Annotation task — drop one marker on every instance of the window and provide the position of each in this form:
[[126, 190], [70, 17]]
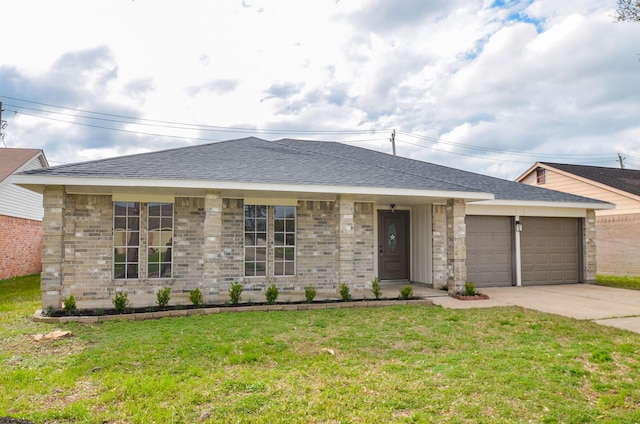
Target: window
[[159, 240], [255, 240], [284, 235], [281, 236], [157, 226], [541, 176], [126, 239]]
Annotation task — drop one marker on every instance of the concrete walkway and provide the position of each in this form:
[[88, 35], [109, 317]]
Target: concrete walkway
[[605, 305]]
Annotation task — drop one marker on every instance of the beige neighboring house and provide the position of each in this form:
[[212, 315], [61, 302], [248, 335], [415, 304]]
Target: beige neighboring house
[[21, 213], [617, 230]]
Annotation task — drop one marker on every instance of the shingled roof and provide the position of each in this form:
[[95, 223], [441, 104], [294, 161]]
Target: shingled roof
[[292, 162], [622, 179]]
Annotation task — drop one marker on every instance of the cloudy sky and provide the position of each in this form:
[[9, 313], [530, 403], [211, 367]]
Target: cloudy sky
[[489, 86]]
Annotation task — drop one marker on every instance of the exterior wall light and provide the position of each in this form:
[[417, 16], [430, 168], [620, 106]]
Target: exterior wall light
[[519, 226], [392, 207]]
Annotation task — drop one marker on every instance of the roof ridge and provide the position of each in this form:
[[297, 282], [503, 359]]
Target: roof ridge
[[421, 175]]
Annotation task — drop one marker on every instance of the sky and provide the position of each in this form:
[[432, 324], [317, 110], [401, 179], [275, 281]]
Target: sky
[[488, 86]]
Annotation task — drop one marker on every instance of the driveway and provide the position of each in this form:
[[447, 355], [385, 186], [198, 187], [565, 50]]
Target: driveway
[[605, 305]]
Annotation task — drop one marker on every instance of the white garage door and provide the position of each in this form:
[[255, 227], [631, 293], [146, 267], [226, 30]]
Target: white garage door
[[489, 250], [550, 250]]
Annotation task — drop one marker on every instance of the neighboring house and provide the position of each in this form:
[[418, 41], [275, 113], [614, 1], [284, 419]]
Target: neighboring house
[[297, 214], [617, 230], [21, 214]]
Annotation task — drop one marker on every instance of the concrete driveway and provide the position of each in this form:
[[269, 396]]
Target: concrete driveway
[[605, 305]]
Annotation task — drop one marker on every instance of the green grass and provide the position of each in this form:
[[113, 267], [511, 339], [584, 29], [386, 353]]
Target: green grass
[[395, 364], [619, 282]]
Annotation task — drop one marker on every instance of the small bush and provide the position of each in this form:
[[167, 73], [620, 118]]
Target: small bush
[[406, 292], [235, 293], [310, 293], [345, 291], [272, 294], [163, 296], [470, 289], [375, 287], [69, 305], [195, 296], [121, 302]]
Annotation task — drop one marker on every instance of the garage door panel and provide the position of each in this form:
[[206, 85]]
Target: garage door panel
[[489, 251], [550, 250]]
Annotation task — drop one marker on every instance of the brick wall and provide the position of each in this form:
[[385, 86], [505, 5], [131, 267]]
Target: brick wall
[[20, 247], [208, 250], [618, 244]]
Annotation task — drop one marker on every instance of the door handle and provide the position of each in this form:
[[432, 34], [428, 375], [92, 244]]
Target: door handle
[[381, 250]]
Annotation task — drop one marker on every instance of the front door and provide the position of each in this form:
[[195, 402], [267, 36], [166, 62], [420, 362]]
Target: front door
[[393, 245]]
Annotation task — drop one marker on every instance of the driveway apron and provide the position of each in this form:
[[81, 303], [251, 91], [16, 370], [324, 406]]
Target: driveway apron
[[605, 305]]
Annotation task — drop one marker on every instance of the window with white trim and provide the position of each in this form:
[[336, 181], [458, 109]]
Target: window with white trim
[[259, 235], [159, 240], [284, 240], [132, 221], [255, 240], [126, 239]]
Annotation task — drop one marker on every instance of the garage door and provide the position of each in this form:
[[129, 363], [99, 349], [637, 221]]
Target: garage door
[[489, 250], [550, 250]]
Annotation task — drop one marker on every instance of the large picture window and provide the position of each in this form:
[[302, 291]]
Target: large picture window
[[126, 239], [159, 240], [266, 226]]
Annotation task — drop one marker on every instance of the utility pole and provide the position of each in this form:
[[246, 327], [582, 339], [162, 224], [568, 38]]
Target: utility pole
[[393, 141], [620, 159]]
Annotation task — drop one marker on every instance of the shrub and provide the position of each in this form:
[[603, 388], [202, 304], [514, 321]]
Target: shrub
[[345, 292], [195, 296], [272, 293], [163, 296], [310, 293], [406, 292], [470, 289], [235, 293], [121, 302], [375, 287], [69, 305]]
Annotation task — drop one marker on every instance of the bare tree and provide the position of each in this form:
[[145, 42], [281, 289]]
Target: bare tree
[[628, 11]]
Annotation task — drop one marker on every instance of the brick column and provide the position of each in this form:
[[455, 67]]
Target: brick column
[[439, 246], [53, 200], [346, 239], [589, 247], [212, 248], [456, 245]]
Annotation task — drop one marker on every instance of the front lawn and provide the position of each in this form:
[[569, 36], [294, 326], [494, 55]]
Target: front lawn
[[393, 364], [619, 282]]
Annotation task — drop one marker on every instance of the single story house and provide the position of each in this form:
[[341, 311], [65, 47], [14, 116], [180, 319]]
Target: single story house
[[20, 215], [617, 230], [296, 213]]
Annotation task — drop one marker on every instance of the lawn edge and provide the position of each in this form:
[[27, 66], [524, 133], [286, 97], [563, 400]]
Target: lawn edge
[[38, 317]]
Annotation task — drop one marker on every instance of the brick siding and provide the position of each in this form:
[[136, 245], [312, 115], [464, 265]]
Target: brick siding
[[208, 250], [20, 247], [618, 246]]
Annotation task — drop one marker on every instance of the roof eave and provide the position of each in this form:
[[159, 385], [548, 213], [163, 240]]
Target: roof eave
[[539, 203], [38, 182]]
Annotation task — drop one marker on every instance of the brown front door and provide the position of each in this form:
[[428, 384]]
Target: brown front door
[[393, 245]]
